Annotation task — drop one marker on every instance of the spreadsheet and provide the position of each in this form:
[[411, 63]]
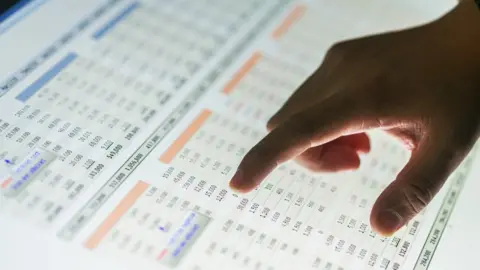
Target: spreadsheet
[[122, 125]]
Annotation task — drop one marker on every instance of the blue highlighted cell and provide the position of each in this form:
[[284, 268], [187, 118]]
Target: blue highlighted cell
[[111, 24], [54, 71]]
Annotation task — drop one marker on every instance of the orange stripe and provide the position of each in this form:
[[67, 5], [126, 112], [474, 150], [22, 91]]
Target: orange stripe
[[6, 182], [162, 254], [180, 142], [116, 215], [296, 14], [242, 72]]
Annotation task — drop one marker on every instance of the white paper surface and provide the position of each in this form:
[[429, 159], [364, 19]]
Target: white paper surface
[[150, 105]]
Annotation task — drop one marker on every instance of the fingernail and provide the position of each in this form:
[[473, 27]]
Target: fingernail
[[237, 180], [389, 221]]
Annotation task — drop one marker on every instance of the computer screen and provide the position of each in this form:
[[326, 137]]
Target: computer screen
[[122, 123]]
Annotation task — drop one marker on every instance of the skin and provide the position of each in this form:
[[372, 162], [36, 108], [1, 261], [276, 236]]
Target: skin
[[420, 85]]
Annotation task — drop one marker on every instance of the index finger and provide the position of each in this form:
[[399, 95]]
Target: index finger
[[313, 127]]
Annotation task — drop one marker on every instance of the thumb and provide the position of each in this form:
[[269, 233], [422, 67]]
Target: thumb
[[416, 185]]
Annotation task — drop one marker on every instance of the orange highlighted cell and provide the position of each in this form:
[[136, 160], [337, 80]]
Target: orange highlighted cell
[[242, 72], [129, 200], [180, 142], [162, 254], [6, 182], [294, 16]]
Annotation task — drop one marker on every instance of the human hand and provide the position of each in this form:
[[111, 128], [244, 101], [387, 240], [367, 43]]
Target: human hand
[[420, 85]]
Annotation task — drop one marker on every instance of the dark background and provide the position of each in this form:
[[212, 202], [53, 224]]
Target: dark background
[[6, 4]]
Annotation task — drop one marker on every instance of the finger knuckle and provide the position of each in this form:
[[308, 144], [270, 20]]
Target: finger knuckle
[[272, 122], [377, 98], [303, 124], [417, 196], [339, 49]]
